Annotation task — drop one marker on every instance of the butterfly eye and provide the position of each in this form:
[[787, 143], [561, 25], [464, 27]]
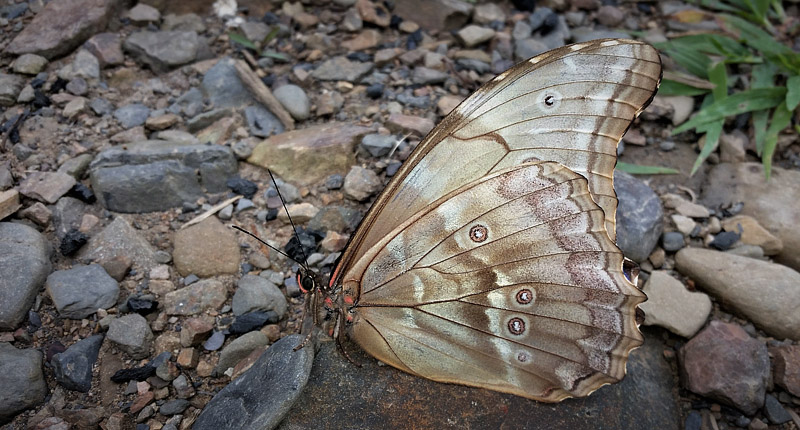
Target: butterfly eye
[[308, 283], [478, 233]]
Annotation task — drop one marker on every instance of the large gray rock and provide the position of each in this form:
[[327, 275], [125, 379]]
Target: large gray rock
[[261, 396], [24, 265], [21, 379], [767, 294], [254, 293], [370, 396], [774, 204], [73, 367], [62, 26], [80, 291], [639, 217], [119, 239], [156, 175], [163, 50]]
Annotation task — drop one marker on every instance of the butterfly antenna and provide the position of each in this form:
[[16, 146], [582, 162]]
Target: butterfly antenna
[[283, 202], [265, 243]]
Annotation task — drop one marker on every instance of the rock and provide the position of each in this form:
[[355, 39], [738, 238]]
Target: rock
[[639, 217], [132, 115], [132, 335], [335, 218], [224, 88], [9, 203], [330, 102], [426, 76], [299, 212], [144, 14], [24, 266], [774, 411], [47, 187], [194, 331], [261, 122], [173, 407], [352, 21], [373, 13], [22, 380], [610, 16], [309, 155], [29, 64], [163, 50], [341, 69], [74, 108], [203, 295], [787, 368], [156, 175], [732, 147], [119, 239], [379, 389], [246, 404], [378, 145], [724, 363], [107, 48], [487, 13], [10, 88], [295, 100], [765, 293], [474, 35], [251, 321], [192, 255], [684, 224], [440, 15], [73, 367], [685, 207], [360, 184], [85, 65], [670, 305], [752, 233], [365, 40], [82, 290], [255, 293], [240, 348], [672, 241], [399, 123], [61, 27], [183, 22]]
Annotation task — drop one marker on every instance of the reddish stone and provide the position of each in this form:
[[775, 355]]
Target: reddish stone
[[787, 368], [142, 401], [194, 331], [724, 363]]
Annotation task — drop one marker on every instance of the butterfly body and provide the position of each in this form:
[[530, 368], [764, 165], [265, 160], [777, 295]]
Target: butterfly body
[[489, 260]]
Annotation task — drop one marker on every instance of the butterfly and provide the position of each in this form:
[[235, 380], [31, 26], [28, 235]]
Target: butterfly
[[489, 259]]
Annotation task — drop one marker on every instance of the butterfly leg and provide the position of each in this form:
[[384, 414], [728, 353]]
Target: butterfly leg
[[337, 334], [307, 324]]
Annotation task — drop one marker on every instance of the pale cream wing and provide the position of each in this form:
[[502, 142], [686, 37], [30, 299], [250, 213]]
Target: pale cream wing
[[509, 282], [571, 105]]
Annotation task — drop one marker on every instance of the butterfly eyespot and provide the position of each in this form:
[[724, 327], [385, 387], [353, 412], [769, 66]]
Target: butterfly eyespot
[[478, 233], [516, 326], [549, 100], [522, 357], [524, 296]]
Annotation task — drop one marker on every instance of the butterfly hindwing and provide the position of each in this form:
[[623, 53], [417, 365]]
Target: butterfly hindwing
[[441, 295]]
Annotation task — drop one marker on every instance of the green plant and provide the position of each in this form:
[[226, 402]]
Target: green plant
[[246, 43], [773, 93]]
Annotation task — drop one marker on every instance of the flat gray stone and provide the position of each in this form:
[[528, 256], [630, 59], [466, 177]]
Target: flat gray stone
[[22, 380], [80, 291], [341, 69], [47, 187], [163, 50], [24, 266], [260, 397], [369, 397], [239, 349], [254, 293], [670, 305], [157, 175], [223, 87]]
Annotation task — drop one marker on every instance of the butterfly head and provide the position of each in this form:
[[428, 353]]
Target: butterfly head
[[308, 280]]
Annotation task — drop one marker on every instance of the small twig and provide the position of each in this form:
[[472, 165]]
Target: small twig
[[263, 94], [209, 212]]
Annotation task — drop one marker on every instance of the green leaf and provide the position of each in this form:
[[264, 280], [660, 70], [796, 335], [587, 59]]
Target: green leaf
[[760, 118], [241, 40], [718, 76], [713, 131], [695, 62], [793, 92], [671, 88], [276, 55], [271, 35], [636, 169], [759, 8], [745, 101], [763, 75], [781, 119]]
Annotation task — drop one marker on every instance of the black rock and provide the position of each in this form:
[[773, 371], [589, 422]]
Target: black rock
[[142, 306], [39, 99], [82, 193], [725, 240], [359, 56], [375, 91], [160, 359], [549, 24], [72, 242], [392, 168], [272, 214], [414, 40], [134, 374], [58, 86], [252, 321], [303, 244], [524, 5], [73, 367], [242, 186], [247, 267]]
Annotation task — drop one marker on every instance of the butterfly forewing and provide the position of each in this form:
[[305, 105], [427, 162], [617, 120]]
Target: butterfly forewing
[[480, 264]]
